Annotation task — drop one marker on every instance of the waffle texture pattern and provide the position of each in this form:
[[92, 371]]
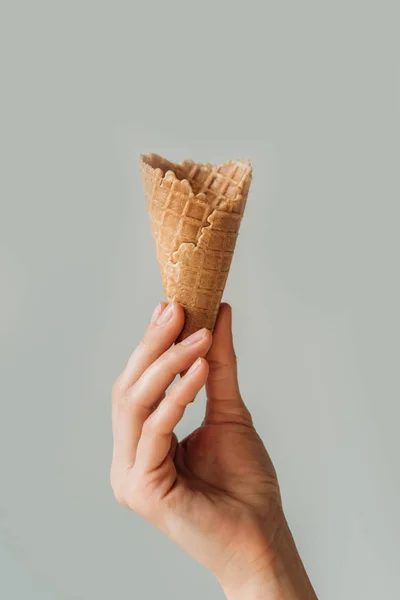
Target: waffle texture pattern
[[195, 213]]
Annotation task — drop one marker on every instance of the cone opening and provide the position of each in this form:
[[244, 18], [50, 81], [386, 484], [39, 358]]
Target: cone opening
[[229, 180], [158, 162]]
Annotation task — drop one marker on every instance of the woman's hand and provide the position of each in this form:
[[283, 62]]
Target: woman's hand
[[215, 493]]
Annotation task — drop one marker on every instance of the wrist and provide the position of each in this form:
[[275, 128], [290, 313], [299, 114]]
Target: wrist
[[276, 574]]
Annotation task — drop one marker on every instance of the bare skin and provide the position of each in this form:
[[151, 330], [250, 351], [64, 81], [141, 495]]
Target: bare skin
[[215, 493]]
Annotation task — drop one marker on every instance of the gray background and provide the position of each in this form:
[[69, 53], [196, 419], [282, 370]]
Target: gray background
[[310, 91]]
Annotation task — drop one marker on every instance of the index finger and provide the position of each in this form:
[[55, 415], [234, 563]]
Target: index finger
[[165, 326]]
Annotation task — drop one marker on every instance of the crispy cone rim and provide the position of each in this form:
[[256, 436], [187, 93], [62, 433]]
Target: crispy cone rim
[[162, 169]]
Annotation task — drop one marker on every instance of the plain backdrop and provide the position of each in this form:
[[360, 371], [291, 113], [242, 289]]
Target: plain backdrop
[[310, 92]]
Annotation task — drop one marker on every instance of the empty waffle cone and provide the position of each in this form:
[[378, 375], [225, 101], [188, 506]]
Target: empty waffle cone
[[195, 213]]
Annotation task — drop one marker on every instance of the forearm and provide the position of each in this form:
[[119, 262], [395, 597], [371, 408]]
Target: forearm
[[279, 577]]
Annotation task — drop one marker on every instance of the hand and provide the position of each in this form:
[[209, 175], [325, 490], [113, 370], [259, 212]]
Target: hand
[[215, 493]]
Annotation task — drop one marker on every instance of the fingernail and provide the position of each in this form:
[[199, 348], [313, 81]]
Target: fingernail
[[165, 315], [156, 313], [194, 367], [195, 337]]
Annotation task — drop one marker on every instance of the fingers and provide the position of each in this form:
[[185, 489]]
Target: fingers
[[224, 401], [132, 408], [156, 379], [165, 326], [157, 435]]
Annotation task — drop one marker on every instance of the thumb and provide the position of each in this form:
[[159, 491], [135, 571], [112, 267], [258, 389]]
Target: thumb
[[224, 401]]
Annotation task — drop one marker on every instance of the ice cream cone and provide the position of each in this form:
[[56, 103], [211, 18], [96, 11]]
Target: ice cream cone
[[195, 214]]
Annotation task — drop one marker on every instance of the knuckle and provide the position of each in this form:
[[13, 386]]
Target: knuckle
[[123, 402], [138, 496], [120, 496], [116, 389], [221, 370], [247, 415], [149, 426], [172, 356], [167, 361], [166, 357], [243, 417], [117, 488], [144, 344], [218, 369]]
